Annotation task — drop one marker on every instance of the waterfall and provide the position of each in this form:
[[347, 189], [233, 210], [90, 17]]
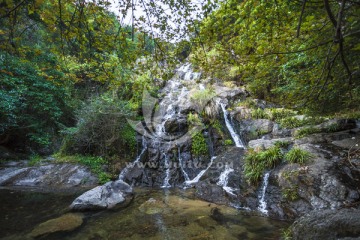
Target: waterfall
[[262, 201], [166, 183], [234, 135], [130, 166], [223, 180], [197, 178], [186, 176]]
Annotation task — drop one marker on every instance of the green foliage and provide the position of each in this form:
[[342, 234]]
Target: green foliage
[[257, 162], [32, 101], [193, 119], [198, 145], [96, 164], [286, 234], [282, 144], [307, 131], [276, 63], [259, 114], [102, 129], [248, 103], [291, 193], [293, 122], [280, 113], [35, 159], [228, 142], [297, 155]]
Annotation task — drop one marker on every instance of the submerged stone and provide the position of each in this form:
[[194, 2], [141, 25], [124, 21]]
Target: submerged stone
[[67, 222]]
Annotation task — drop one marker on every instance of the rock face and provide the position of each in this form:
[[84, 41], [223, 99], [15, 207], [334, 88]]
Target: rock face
[[50, 175], [328, 224], [107, 196], [65, 223]]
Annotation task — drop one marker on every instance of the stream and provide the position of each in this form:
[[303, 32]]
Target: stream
[[153, 214]]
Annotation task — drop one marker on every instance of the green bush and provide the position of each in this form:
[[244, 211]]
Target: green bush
[[293, 122], [290, 193], [259, 114], [280, 113], [35, 159], [297, 155], [228, 142], [257, 162], [303, 132], [198, 145], [101, 129]]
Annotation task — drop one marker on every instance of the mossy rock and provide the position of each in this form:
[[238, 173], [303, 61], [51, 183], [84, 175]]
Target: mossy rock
[[65, 223]]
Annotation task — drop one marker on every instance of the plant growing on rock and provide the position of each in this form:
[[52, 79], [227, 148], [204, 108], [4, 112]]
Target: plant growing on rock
[[290, 193], [259, 114], [198, 145], [297, 155], [303, 132], [280, 113], [257, 162], [228, 142]]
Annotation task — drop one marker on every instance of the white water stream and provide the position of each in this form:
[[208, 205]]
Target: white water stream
[[234, 135]]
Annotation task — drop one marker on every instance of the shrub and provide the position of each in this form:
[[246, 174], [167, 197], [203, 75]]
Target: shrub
[[279, 113], [228, 142], [282, 144], [290, 193], [259, 114], [297, 155], [198, 145], [35, 160], [306, 131], [257, 162], [101, 129], [293, 122]]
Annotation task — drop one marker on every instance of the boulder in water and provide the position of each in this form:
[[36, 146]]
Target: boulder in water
[[109, 195]]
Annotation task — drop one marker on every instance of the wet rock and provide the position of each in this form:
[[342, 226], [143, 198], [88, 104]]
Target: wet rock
[[50, 175], [176, 125], [328, 224], [107, 196], [65, 223]]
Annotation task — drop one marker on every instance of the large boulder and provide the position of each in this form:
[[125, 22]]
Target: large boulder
[[109, 195], [49, 175], [328, 224]]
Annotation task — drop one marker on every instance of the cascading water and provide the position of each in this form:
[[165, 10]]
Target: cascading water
[[130, 166], [223, 180], [262, 201], [166, 183], [200, 174], [234, 135], [186, 176]]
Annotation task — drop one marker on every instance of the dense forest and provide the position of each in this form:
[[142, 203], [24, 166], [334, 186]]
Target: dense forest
[[71, 70]]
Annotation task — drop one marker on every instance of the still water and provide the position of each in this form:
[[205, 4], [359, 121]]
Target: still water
[[153, 214]]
